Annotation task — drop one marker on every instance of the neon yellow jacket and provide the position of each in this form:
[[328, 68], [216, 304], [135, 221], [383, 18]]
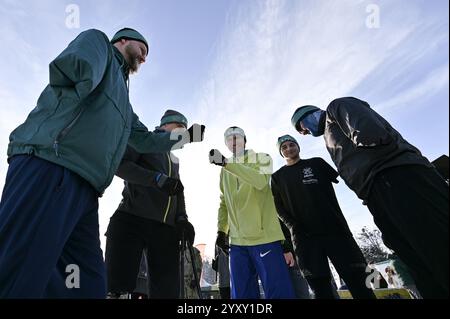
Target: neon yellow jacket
[[247, 208]]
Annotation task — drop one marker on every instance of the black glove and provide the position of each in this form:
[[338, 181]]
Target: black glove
[[287, 246], [169, 185], [215, 263], [216, 158], [196, 133], [184, 226], [222, 242]]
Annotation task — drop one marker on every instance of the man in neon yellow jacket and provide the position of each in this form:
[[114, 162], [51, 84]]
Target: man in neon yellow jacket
[[247, 212]]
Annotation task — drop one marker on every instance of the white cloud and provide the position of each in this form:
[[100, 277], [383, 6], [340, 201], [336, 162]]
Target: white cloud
[[272, 57], [436, 80], [277, 55]]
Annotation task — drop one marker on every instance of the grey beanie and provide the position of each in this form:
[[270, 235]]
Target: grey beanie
[[234, 130], [172, 116], [130, 34], [301, 112]]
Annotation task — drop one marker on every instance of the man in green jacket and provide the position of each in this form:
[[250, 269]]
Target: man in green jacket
[[247, 212], [62, 158]]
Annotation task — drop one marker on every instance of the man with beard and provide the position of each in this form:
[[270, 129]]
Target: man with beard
[[62, 158], [405, 194]]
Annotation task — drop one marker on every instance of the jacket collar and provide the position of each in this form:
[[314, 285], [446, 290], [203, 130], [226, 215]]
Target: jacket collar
[[123, 63], [246, 154]]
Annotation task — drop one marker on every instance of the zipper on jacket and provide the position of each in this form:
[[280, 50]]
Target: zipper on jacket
[[170, 197], [64, 132]]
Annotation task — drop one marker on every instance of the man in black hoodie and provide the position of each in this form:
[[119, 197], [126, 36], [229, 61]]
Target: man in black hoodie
[[402, 189], [151, 216]]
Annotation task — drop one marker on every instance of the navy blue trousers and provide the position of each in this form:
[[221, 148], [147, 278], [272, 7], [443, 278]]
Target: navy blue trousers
[[49, 233]]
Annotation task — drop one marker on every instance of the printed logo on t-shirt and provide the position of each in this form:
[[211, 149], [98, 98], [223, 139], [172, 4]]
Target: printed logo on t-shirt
[[308, 176]]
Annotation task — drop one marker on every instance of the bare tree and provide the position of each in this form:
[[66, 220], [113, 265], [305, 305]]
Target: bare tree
[[209, 275], [371, 244]]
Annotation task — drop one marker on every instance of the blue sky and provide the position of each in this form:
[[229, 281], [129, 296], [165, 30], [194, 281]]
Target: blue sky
[[248, 63]]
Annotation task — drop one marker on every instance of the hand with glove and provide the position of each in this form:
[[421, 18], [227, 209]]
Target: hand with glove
[[195, 133], [184, 226], [222, 242], [216, 158], [168, 185]]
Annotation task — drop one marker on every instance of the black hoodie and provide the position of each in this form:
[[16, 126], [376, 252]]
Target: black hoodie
[[362, 144]]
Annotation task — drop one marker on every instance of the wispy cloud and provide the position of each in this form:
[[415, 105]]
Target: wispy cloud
[[435, 81], [272, 56], [23, 73], [277, 55], [32, 34]]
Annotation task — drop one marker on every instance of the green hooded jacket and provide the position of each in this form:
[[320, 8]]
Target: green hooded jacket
[[83, 119], [247, 210]]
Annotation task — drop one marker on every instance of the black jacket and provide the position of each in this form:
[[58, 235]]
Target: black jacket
[[350, 127], [141, 197]]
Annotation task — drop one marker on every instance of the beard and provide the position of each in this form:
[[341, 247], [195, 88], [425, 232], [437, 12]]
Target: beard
[[132, 59]]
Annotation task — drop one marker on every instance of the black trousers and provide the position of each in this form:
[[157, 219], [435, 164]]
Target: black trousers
[[343, 251], [225, 292], [410, 207], [127, 236]]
